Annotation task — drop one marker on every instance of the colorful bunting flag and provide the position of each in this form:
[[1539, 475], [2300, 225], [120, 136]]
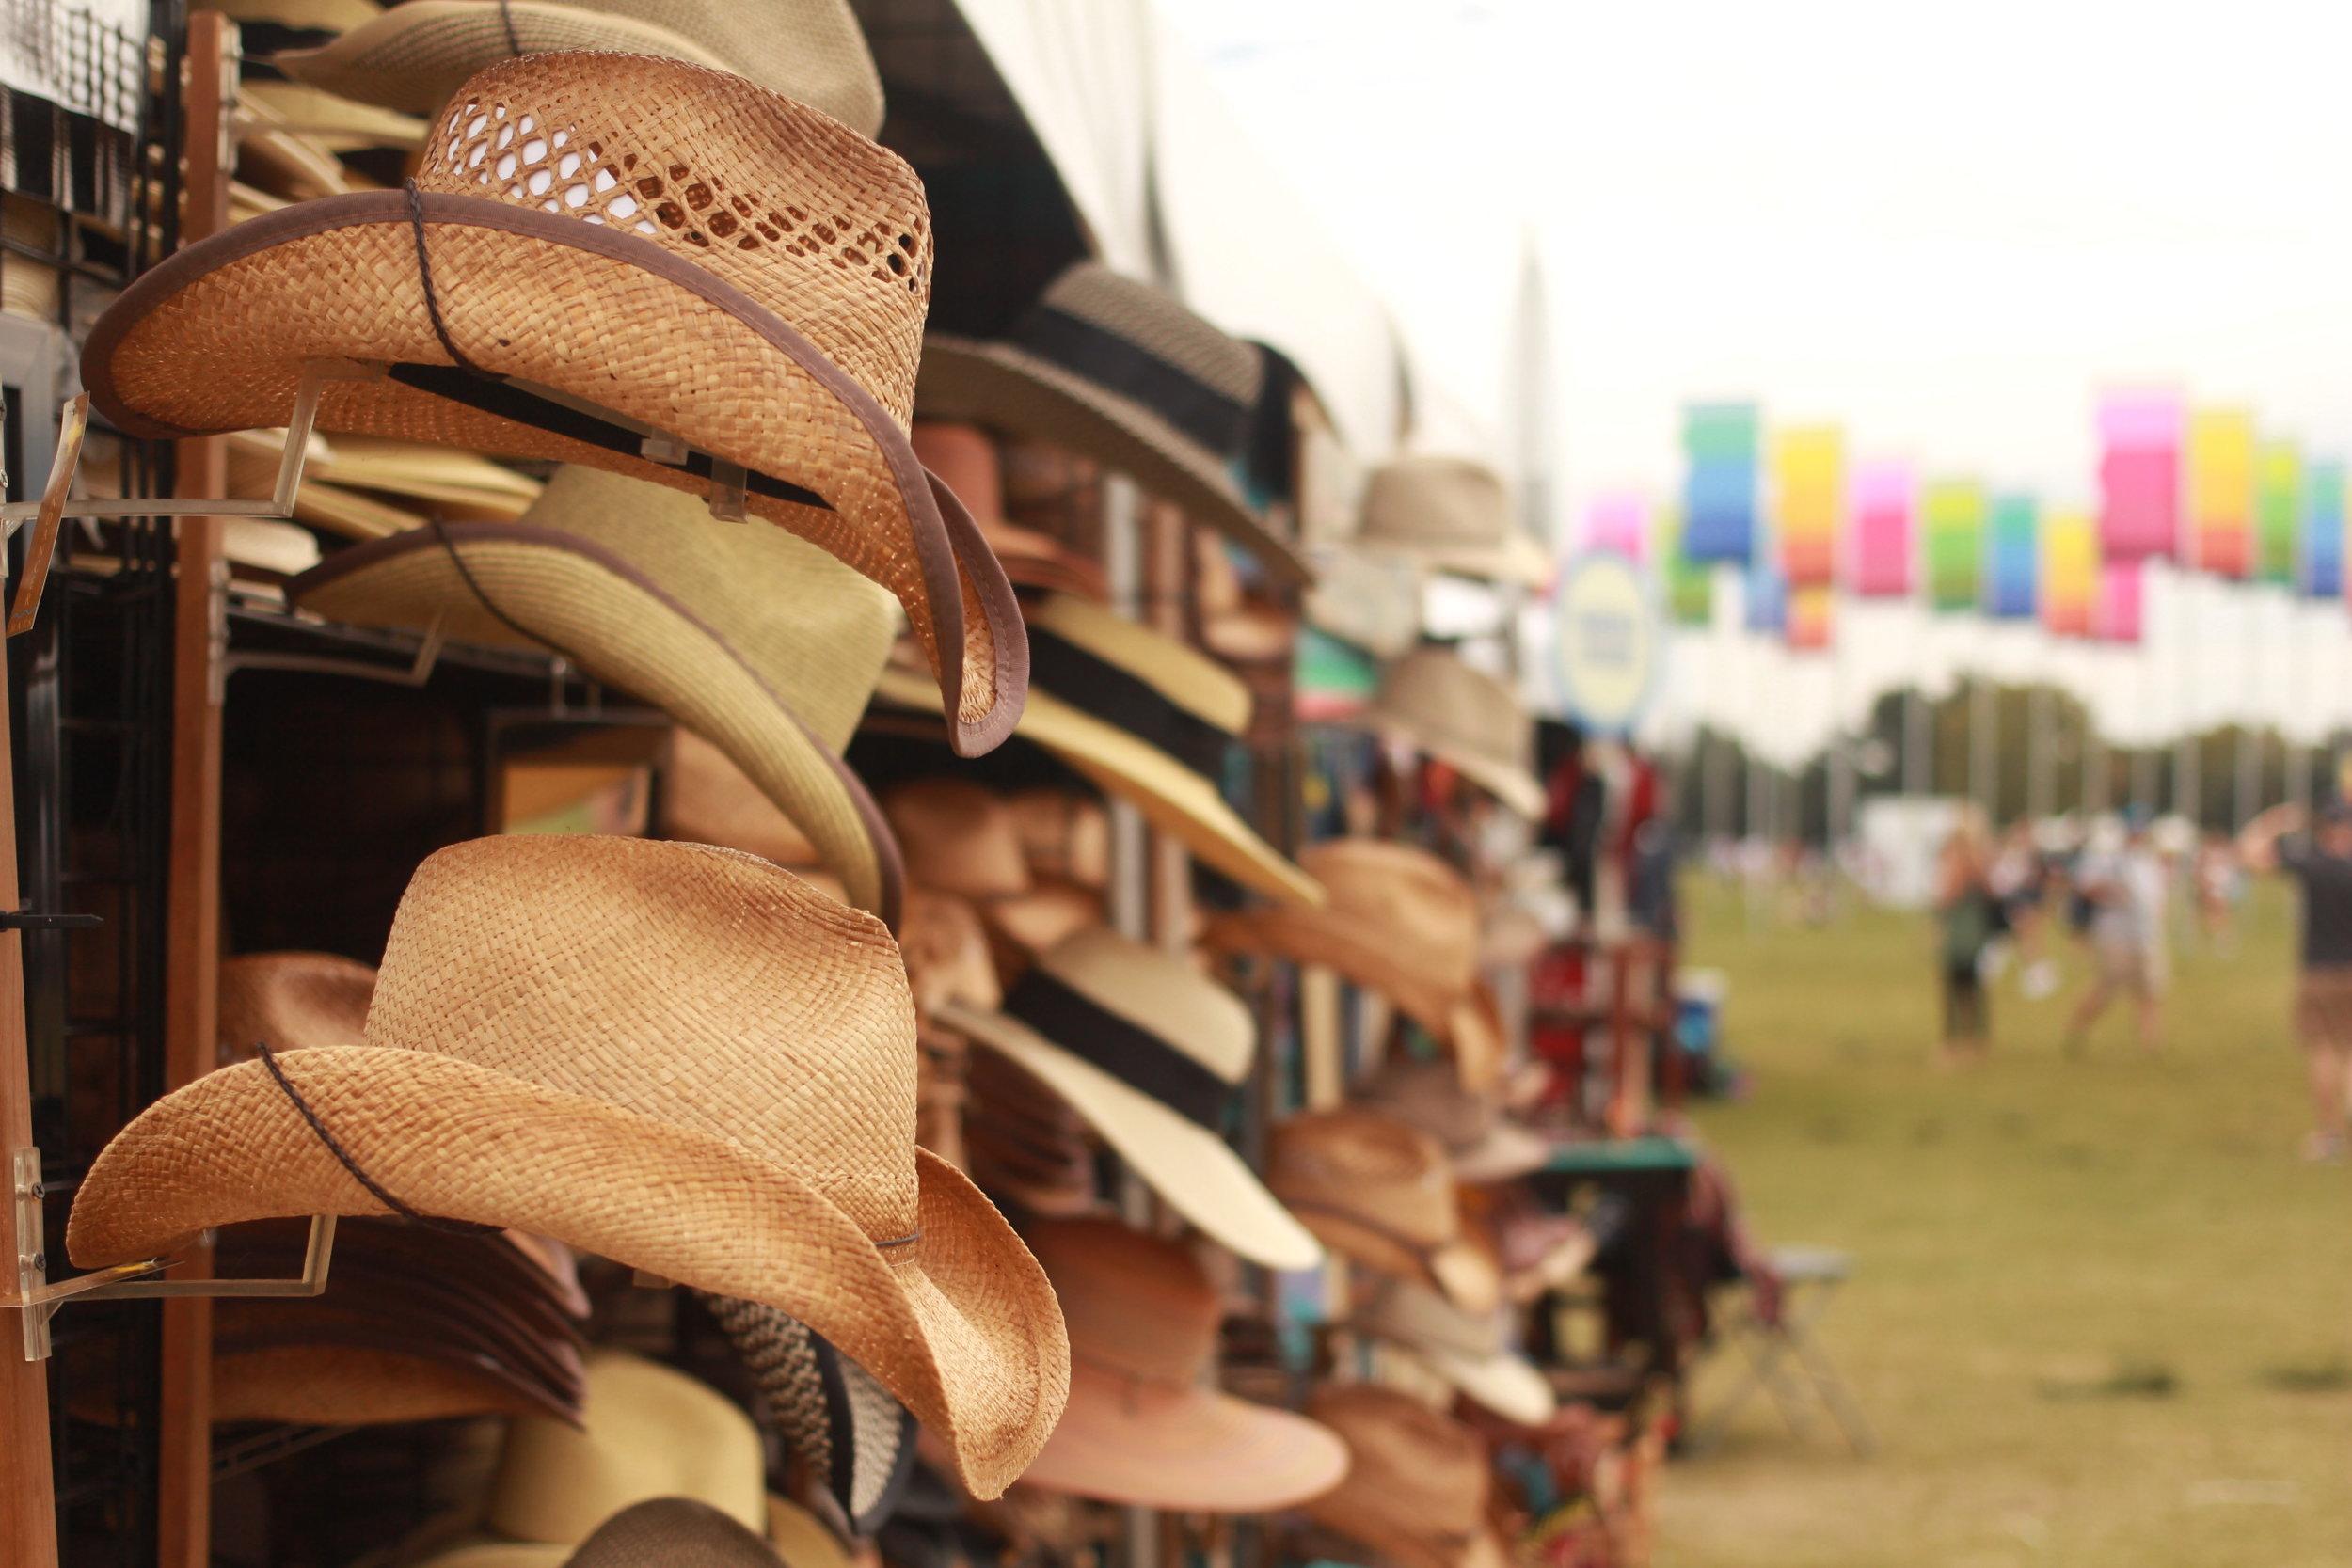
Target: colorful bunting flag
[[2122, 600], [1766, 611], [1812, 616], [2323, 530], [2278, 514], [2221, 491], [2140, 475], [1808, 497], [1953, 522], [2070, 574], [1881, 543], [1619, 521], [1720, 447], [2016, 557], [1689, 584]]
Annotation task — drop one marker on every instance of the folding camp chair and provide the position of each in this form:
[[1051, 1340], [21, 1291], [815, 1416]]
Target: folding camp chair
[[1786, 1359]]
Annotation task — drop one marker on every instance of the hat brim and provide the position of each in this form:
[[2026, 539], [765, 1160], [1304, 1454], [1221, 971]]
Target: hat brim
[[1517, 789], [1507, 1151], [597, 610], [1327, 938], [960, 1324], [1174, 799], [1456, 1270], [1184, 1450], [461, 36], [214, 338], [1509, 1386], [315, 1382], [1193, 1170], [1005, 387], [1518, 560]]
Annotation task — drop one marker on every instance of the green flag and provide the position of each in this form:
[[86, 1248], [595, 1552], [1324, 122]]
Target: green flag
[[2278, 514], [1953, 531], [1689, 584]]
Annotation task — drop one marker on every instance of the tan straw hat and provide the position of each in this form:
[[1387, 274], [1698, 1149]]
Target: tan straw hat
[[1400, 922], [1482, 1144], [604, 256], [752, 639], [1144, 718], [956, 836], [964, 458], [1120, 372], [1466, 719], [1141, 1429], [289, 999], [1379, 1193], [1065, 835], [1468, 1350], [417, 54], [1149, 1051], [677, 1056], [1449, 514], [1417, 1482]]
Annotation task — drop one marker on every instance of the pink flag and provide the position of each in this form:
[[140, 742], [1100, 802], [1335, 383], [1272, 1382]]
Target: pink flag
[[1619, 521], [2140, 475], [1881, 543], [2121, 584]]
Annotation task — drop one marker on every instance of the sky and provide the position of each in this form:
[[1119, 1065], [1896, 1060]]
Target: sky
[[1947, 229]]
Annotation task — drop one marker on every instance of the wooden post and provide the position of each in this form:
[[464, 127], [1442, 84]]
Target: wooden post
[[192, 964], [29, 1508]]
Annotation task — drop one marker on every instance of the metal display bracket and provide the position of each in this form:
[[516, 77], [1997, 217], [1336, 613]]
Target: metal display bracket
[[39, 1298]]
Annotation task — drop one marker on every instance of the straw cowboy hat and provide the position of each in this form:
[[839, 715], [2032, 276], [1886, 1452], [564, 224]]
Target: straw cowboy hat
[[1120, 372], [1464, 717], [661, 1532], [1146, 719], [417, 54], [603, 256], [857, 1441], [678, 1056], [1481, 1142], [1466, 1350], [1379, 1193], [963, 839], [1030, 1148], [1417, 1482], [751, 638], [1141, 1428], [964, 458], [284, 998], [1400, 922], [1449, 514], [1149, 1051], [1065, 835]]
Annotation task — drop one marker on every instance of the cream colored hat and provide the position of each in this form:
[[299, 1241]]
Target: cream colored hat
[[1449, 514], [1149, 1051], [1148, 720], [417, 54], [759, 642], [1120, 372], [620, 261], [1468, 1350], [677, 1056], [1466, 719]]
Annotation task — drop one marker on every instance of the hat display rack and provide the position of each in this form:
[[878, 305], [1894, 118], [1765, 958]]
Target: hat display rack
[[682, 893]]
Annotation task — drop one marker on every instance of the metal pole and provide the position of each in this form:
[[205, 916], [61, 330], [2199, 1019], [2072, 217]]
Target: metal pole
[[2188, 787], [1982, 745], [2039, 719], [2299, 691]]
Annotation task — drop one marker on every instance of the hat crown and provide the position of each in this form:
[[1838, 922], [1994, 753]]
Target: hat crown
[[288, 1001], [1431, 500], [1367, 1165], [1411, 1471], [1417, 902], [1155, 321], [1449, 703], [1160, 994], [946, 952], [1429, 1096], [695, 986], [816, 223], [1133, 1303], [1414, 1315], [958, 837]]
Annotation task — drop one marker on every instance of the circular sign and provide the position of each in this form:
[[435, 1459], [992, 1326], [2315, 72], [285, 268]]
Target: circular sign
[[1606, 641]]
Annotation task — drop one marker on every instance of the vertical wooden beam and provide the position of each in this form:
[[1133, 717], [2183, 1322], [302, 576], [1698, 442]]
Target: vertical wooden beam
[[28, 1509], [192, 965]]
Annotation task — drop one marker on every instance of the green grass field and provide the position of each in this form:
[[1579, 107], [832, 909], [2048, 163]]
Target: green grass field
[[2101, 1314]]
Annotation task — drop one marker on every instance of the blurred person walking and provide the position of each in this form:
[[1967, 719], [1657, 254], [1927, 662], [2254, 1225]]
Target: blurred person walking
[[2125, 891], [1968, 918], [2020, 879], [2321, 864]]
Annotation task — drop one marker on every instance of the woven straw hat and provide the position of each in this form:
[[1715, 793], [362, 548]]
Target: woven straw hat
[[856, 1440], [287, 999], [1141, 1429], [1466, 719], [1149, 1051], [1120, 372], [1468, 1350], [964, 458], [1148, 720], [1065, 835], [1481, 1142], [612, 245], [1400, 922], [417, 54], [677, 1056], [1449, 514], [1417, 1482], [752, 639], [1381, 1193], [956, 836]]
